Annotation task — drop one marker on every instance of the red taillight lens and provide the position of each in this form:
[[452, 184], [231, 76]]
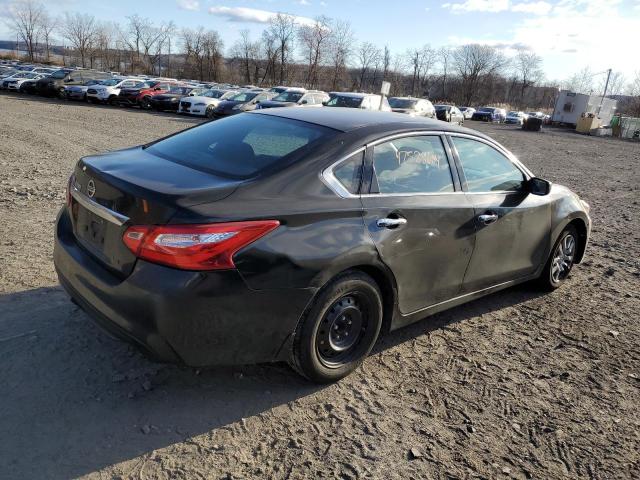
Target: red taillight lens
[[195, 247]]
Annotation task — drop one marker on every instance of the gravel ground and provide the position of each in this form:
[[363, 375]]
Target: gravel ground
[[517, 385]]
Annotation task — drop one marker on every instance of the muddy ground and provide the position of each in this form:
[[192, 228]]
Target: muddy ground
[[519, 384]]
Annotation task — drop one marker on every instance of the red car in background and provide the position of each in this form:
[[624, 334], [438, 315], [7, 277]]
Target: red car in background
[[141, 97]]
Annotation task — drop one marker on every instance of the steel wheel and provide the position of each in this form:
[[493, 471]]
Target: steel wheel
[[341, 330], [562, 260]]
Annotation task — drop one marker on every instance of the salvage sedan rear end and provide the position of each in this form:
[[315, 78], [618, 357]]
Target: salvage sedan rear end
[[303, 234]]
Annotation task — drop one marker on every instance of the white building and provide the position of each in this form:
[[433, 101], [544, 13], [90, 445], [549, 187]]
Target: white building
[[570, 106]]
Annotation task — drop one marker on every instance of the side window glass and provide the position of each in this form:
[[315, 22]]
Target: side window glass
[[349, 172], [485, 168], [412, 165]]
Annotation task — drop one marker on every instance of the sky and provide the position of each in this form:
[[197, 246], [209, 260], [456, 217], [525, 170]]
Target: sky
[[568, 34]]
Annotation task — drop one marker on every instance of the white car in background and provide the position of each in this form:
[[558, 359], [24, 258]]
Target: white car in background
[[14, 81], [365, 101], [205, 103], [107, 91], [467, 112]]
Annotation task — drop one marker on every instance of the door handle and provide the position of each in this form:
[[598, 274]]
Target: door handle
[[488, 218], [391, 222]]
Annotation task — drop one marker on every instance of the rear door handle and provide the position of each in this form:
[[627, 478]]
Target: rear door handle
[[488, 218], [391, 222]]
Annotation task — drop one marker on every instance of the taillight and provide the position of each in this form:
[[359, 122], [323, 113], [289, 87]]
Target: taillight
[[195, 247]]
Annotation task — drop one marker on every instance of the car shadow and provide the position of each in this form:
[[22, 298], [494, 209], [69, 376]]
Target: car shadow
[[74, 400]]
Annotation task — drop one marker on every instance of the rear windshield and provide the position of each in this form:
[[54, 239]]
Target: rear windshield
[[244, 97], [59, 74], [242, 146], [289, 97], [343, 101], [402, 103]]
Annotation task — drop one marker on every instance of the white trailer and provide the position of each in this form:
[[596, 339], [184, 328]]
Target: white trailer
[[570, 106]]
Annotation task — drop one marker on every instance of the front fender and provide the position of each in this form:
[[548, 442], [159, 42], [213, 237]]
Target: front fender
[[568, 208]]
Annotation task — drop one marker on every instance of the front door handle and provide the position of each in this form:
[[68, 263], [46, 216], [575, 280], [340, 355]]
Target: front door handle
[[391, 222], [488, 218]]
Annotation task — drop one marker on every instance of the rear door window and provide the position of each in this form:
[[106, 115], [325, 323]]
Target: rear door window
[[349, 172], [242, 146], [415, 164]]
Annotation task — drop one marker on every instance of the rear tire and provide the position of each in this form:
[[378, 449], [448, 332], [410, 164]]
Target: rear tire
[[561, 260], [339, 329], [145, 103]]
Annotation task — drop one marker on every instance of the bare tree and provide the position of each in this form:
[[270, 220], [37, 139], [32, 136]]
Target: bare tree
[[580, 82], [283, 28], [368, 54], [633, 88], [616, 84], [340, 47], [314, 40], [445, 54], [527, 66], [386, 62], [132, 37], [47, 26], [25, 20], [247, 51], [80, 30], [420, 61], [473, 62]]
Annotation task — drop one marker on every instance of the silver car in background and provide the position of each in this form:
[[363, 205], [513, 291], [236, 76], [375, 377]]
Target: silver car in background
[[416, 107], [205, 103]]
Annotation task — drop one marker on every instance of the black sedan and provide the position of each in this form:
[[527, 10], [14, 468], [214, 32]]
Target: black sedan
[[449, 113], [304, 235], [171, 100], [241, 102]]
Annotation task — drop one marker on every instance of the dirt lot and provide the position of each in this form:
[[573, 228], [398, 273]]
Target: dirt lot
[[519, 384]]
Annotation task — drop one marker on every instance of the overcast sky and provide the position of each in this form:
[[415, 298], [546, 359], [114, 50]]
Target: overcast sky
[[568, 34]]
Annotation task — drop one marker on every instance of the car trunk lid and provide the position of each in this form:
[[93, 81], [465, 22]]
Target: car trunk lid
[[133, 187]]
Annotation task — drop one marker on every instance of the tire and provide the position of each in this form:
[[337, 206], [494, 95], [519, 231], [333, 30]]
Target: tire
[[339, 329], [209, 111], [561, 260], [113, 100], [145, 103]]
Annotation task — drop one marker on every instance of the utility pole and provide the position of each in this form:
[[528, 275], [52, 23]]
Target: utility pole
[[606, 86]]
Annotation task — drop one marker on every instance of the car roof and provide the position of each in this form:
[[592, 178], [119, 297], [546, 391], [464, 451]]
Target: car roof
[[353, 94], [349, 119]]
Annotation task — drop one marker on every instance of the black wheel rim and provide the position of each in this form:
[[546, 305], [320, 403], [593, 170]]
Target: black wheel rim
[[340, 333]]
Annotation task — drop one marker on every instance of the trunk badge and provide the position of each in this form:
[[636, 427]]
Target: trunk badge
[[91, 189]]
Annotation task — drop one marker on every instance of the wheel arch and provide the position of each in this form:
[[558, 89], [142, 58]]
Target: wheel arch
[[581, 227]]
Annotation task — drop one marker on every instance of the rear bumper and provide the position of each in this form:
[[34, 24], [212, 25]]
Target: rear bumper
[[195, 318]]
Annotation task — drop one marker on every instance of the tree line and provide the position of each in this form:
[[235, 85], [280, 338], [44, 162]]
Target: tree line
[[323, 54]]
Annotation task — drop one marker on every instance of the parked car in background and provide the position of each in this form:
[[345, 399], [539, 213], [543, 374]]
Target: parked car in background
[[252, 239], [364, 101], [241, 102], [54, 84], [279, 89], [107, 91], [79, 92], [467, 112], [140, 96], [449, 113], [416, 107], [14, 81], [170, 101], [490, 114], [515, 117], [28, 87], [546, 119], [205, 103], [296, 97]]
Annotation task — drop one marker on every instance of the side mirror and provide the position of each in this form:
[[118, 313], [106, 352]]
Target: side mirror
[[303, 102], [325, 103], [538, 186], [157, 89]]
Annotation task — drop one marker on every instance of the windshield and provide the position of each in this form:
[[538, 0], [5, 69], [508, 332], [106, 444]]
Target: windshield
[[110, 82], [59, 74], [402, 103], [242, 146], [440, 108], [212, 93], [288, 97], [243, 97], [487, 110], [513, 114], [180, 90], [343, 101]]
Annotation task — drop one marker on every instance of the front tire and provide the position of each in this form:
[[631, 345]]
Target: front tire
[[339, 329], [209, 111], [561, 260], [145, 103]]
